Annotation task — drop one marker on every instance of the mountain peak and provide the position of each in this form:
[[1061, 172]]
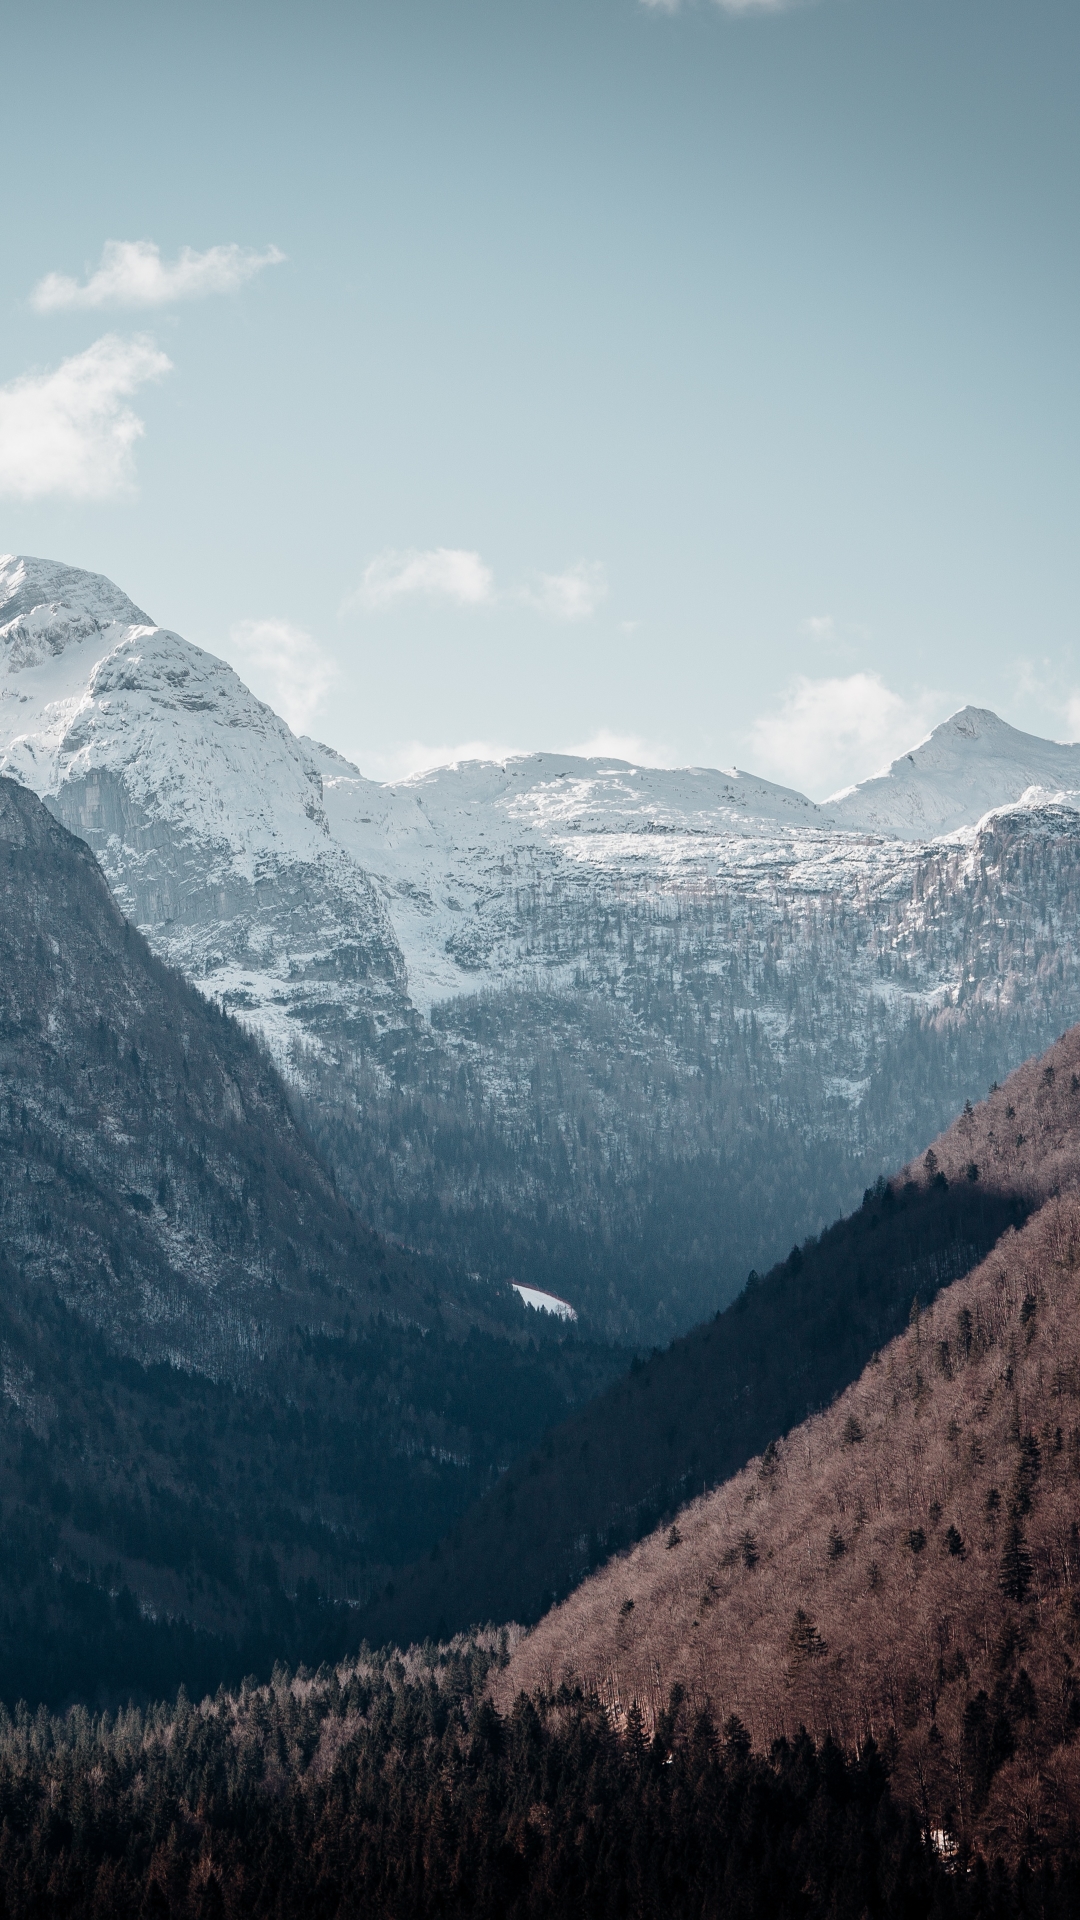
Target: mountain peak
[[46, 606], [970, 764]]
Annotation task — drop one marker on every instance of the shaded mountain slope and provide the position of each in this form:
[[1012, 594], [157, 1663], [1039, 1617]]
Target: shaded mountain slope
[[152, 1170], [695, 1413], [226, 1406], [904, 1566]]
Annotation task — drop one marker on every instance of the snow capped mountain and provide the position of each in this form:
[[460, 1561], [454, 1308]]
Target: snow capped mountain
[[453, 848], [46, 607], [204, 809], [547, 1008], [969, 765]]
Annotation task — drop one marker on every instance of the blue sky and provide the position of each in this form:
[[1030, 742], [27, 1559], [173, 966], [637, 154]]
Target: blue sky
[[699, 380]]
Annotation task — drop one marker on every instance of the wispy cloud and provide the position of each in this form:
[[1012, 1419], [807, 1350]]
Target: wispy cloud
[[827, 733], [440, 573], [819, 626], [727, 6], [459, 575], [285, 666], [69, 432], [133, 274], [606, 744], [573, 595]]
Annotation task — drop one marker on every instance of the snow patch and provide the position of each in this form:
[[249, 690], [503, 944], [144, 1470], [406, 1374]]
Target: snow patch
[[545, 1302]]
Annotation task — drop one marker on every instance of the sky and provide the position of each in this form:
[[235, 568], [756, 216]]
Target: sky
[[689, 381]]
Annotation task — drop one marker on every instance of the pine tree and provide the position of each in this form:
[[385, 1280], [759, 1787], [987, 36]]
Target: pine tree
[[1014, 1577]]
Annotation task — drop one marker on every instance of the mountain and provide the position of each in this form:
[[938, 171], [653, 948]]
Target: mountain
[[970, 765], [617, 1033], [904, 1566], [227, 1408], [691, 1416]]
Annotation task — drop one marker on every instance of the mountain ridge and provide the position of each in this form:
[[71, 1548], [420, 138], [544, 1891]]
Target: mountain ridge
[[615, 1032]]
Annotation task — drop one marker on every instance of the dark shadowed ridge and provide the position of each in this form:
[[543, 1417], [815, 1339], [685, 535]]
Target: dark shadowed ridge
[[692, 1416], [227, 1408]]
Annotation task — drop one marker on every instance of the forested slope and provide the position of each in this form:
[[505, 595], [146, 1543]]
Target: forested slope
[[692, 1416], [906, 1565]]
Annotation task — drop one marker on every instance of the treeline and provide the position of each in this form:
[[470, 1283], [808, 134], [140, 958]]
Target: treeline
[[906, 1564], [399, 1790]]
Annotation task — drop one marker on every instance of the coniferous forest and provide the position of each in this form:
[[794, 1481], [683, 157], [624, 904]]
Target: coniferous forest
[[395, 1788]]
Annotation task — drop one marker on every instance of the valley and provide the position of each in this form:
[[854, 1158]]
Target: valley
[[380, 1171], [227, 1408]]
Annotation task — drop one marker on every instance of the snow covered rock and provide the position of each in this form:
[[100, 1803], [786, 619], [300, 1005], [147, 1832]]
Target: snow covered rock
[[203, 808]]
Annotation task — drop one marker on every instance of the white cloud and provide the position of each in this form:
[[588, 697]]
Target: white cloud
[[1072, 715], [605, 744], [828, 733], [69, 432], [573, 595], [460, 575], [133, 274], [440, 573], [285, 666]]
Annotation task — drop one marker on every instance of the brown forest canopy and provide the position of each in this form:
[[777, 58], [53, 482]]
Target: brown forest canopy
[[906, 1565]]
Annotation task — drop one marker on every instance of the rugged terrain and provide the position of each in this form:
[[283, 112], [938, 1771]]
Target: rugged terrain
[[227, 1408], [615, 1032], [904, 1566]]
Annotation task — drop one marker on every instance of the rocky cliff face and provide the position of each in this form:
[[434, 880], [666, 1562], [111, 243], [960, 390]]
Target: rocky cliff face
[[618, 1032]]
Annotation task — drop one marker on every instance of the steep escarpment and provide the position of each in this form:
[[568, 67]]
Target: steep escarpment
[[153, 1174]]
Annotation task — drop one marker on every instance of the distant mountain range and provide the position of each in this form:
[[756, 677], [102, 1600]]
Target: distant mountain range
[[616, 1033]]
